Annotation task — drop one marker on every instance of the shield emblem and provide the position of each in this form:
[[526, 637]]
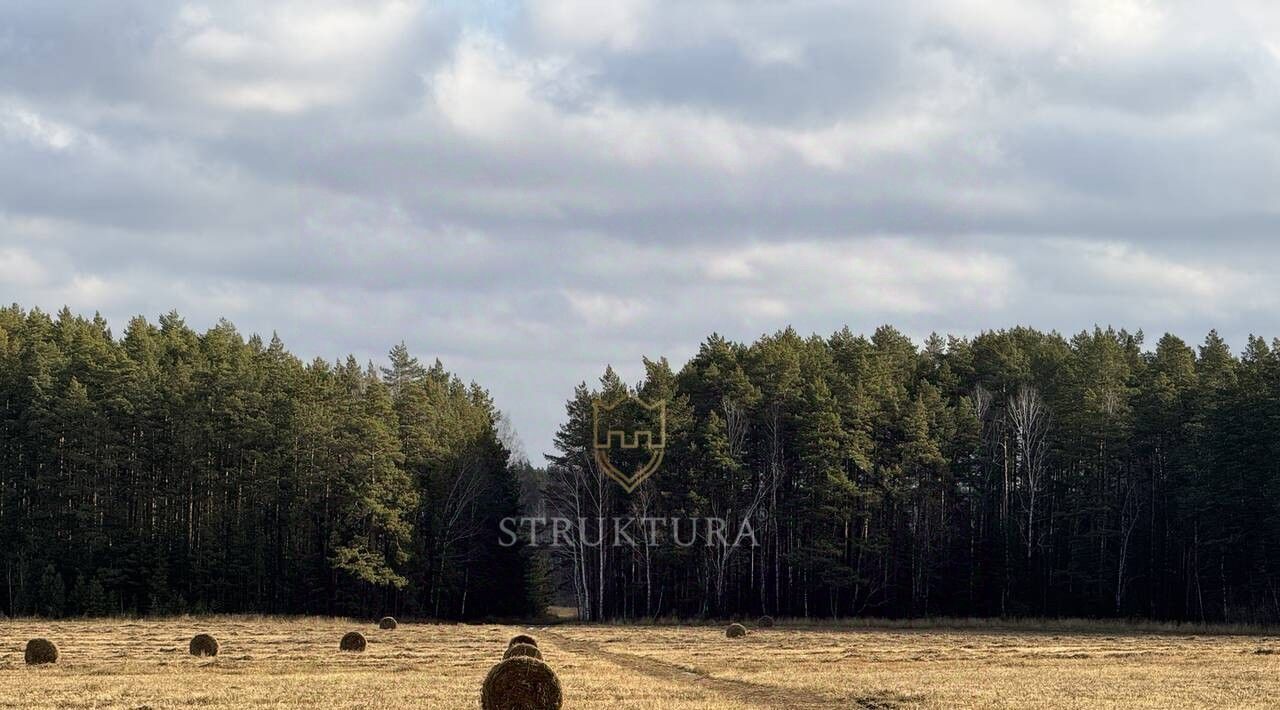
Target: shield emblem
[[626, 447]]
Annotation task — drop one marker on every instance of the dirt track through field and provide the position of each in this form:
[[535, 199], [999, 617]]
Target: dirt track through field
[[752, 694], [127, 664]]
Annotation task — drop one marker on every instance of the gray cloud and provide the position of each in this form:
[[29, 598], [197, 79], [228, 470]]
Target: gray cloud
[[531, 190]]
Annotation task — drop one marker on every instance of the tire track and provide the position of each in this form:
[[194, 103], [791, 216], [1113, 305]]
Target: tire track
[[753, 694]]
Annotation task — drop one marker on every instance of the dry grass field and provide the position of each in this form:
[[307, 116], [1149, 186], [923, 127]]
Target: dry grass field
[[287, 663]]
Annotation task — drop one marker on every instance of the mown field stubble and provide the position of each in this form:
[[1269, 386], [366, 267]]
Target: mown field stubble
[[266, 662]]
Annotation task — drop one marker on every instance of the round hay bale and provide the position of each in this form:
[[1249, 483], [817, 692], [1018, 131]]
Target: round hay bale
[[765, 622], [203, 645], [522, 638], [522, 649], [735, 631], [41, 651], [352, 641], [387, 623], [521, 683]]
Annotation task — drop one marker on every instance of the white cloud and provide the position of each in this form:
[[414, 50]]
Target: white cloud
[[24, 124], [860, 141], [1155, 286], [215, 44], [729, 266], [87, 292], [485, 92], [1130, 269], [488, 93], [602, 310], [492, 183], [1117, 27], [287, 57], [884, 275], [19, 269], [618, 24], [1061, 28], [766, 310], [1003, 25]]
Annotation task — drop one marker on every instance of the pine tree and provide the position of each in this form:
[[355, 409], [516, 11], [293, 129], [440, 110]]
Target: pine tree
[[52, 593]]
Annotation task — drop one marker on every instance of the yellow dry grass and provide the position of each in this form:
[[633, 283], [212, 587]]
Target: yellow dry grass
[[296, 663]]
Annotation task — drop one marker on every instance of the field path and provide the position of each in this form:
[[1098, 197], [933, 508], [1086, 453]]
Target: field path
[[128, 664], [752, 694]]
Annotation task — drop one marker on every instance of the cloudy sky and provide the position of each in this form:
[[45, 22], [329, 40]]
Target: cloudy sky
[[531, 190]]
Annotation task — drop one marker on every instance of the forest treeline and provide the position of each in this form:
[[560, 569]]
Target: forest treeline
[[1013, 473], [171, 471]]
